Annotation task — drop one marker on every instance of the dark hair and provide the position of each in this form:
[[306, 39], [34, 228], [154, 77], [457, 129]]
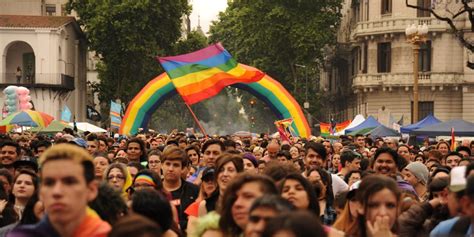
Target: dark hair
[[39, 144], [9, 214], [326, 179], [285, 147], [5, 173], [274, 202], [469, 168], [299, 223], [230, 143], [349, 174], [401, 163], [312, 196], [454, 153], [175, 153], [34, 179], [28, 216], [316, 147], [195, 148], [91, 137], [136, 225], [143, 156], [226, 158], [278, 171], [464, 148], [109, 204], [212, 142], [154, 205], [13, 144], [348, 156], [227, 222], [369, 186], [284, 153], [300, 163]]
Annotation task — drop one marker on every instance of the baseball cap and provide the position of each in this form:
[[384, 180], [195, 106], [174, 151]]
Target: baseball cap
[[208, 174], [79, 141], [26, 161], [419, 170], [457, 181]]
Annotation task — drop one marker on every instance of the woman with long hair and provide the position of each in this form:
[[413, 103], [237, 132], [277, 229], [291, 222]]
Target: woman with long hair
[[379, 199], [119, 178], [227, 167], [238, 198], [25, 185], [321, 179], [347, 220], [299, 191]]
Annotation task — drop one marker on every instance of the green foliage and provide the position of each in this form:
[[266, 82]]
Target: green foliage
[[127, 36], [275, 35]]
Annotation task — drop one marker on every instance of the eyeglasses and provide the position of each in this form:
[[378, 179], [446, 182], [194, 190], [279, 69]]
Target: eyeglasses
[[154, 162], [118, 177]]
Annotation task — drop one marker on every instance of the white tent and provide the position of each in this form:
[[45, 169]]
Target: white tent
[[88, 127], [358, 119]]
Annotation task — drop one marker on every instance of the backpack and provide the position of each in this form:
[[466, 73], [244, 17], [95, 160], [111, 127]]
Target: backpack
[[461, 226]]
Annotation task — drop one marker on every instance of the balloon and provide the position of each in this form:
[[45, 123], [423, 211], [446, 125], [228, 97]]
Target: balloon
[[11, 102], [10, 90], [11, 96], [25, 106], [11, 108]]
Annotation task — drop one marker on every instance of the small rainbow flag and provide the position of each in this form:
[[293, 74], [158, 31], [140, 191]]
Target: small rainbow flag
[[204, 73]]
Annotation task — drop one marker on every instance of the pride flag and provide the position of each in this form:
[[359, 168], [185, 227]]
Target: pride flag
[[204, 73], [331, 128]]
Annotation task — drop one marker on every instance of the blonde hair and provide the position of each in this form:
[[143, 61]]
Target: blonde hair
[[66, 151]]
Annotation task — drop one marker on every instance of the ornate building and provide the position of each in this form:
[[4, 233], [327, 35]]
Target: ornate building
[[370, 72]]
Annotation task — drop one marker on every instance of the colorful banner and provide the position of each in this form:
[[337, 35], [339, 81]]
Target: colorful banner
[[66, 115], [328, 129], [115, 115]]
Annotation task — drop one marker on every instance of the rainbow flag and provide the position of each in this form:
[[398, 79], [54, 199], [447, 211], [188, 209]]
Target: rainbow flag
[[329, 129], [204, 73]]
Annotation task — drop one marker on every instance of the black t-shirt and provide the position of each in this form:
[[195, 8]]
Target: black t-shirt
[[182, 198]]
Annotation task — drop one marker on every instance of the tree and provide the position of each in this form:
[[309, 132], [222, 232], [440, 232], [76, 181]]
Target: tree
[[276, 35], [451, 12], [127, 36]]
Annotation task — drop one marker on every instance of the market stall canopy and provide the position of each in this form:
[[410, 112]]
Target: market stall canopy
[[428, 120], [383, 131], [461, 128], [361, 131], [358, 119], [54, 127], [370, 122], [88, 127]]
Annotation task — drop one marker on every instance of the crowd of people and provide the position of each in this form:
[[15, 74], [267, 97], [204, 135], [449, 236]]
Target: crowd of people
[[178, 184]]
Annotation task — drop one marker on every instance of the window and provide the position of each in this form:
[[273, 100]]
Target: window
[[383, 57], [424, 4], [425, 108], [424, 58], [386, 6], [50, 10]]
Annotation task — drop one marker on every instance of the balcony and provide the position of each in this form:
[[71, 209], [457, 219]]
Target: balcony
[[54, 81], [406, 79], [395, 25]]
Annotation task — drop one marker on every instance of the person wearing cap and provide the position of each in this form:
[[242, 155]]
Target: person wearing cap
[[27, 163], [183, 193], [456, 193], [208, 186], [67, 186], [347, 220], [417, 175], [250, 163]]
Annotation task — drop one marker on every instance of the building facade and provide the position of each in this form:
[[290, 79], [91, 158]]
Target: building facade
[[51, 54], [370, 72]]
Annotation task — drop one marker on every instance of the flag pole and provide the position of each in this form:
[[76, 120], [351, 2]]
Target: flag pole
[[196, 120]]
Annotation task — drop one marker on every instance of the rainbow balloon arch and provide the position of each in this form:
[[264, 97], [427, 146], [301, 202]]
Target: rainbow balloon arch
[[268, 90]]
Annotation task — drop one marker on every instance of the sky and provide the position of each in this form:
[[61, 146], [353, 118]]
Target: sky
[[207, 10]]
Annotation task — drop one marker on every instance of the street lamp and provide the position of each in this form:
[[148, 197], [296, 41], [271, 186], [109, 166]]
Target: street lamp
[[416, 35], [306, 103]]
